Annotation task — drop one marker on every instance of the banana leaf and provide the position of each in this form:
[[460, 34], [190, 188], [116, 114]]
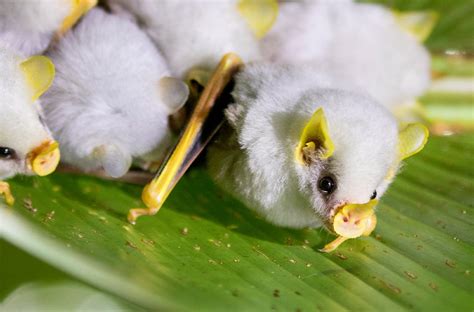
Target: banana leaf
[[206, 251]]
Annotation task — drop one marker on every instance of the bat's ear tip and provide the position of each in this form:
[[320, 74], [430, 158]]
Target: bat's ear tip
[[173, 92], [412, 139], [114, 161]]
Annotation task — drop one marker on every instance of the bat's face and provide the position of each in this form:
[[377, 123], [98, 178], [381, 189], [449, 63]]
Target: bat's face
[[26, 147], [349, 156]]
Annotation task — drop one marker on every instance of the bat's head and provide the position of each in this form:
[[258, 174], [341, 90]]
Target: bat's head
[[349, 150], [26, 146]]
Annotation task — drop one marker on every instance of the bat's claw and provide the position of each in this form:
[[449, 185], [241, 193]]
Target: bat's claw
[[133, 214], [6, 193]]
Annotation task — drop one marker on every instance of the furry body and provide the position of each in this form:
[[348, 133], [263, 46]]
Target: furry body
[[257, 163], [194, 34], [106, 106], [362, 40], [29, 26]]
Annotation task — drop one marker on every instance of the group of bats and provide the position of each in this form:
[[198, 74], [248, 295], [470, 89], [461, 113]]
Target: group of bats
[[310, 140]]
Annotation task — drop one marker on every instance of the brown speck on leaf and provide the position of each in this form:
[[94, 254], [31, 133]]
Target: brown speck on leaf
[[289, 241], [184, 231], [131, 245], [450, 263], [433, 286], [276, 293], [340, 256], [148, 241], [410, 275], [28, 204], [49, 216], [393, 288], [378, 237], [419, 247]]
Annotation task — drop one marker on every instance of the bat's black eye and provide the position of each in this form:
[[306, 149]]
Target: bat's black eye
[[374, 195], [6, 153], [327, 185]]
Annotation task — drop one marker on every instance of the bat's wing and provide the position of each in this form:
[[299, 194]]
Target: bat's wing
[[204, 122]]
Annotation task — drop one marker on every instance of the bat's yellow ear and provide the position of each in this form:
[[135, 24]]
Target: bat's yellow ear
[[39, 74], [79, 8], [419, 24], [315, 136], [259, 14], [412, 138]]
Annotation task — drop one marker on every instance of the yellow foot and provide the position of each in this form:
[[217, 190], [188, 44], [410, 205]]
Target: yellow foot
[[7, 194], [334, 244], [133, 214]]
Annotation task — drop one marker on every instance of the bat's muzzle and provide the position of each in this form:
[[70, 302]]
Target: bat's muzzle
[[44, 159], [352, 221]]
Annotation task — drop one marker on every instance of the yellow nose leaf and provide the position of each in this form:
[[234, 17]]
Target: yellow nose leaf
[[45, 159], [354, 220]]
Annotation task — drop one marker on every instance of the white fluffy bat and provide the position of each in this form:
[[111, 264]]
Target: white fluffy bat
[[196, 34], [364, 41], [112, 96], [299, 148], [29, 26], [26, 146]]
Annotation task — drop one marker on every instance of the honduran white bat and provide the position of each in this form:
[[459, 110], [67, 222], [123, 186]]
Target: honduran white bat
[[112, 96], [26, 145]]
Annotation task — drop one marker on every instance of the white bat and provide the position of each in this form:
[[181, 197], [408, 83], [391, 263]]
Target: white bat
[[367, 42], [26, 145], [30, 26], [112, 96]]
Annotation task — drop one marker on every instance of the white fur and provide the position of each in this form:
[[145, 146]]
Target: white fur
[[363, 40], [20, 126], [28, 26], [257, 164], [106, 105], [194, 33]]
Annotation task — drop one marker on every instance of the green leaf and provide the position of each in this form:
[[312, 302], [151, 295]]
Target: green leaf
[[206, 251], [30, 284]]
